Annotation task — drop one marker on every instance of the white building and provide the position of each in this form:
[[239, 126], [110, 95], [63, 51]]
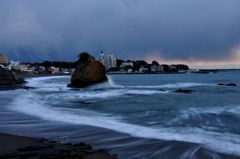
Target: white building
[[160, 68], [53, 70], [109, 61], [156, 68], [143, 69], [129, 70], [14, 65], [126, 64], [41, 69], [25, 68], [102, 57]]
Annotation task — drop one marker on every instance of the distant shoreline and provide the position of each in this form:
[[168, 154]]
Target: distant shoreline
[[137, 73], [25, 75], [39, 75]]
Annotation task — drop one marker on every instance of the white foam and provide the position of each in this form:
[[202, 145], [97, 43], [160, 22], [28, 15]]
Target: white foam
[[35, 80], [193, 111], [102, 94], [41, 83], [174, 85], [199, 113], [112, 83], [100, 91], [29, 104]]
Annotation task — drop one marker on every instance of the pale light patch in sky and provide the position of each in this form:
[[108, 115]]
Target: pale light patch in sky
[[233, 62]]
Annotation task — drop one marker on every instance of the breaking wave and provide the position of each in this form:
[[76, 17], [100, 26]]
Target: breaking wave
[[31, 105], [174, 85]]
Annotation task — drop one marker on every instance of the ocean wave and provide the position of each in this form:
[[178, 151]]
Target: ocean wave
[[99, 94], [105, 85], [31, 105], [174, 85], [39, 79], [48, 83], [34, 103], [217, 110], [220, 119], [41, 83], [99, 91]]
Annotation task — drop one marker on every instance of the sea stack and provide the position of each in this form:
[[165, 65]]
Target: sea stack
[[87, 72]]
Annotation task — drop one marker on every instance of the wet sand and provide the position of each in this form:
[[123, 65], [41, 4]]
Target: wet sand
[[17, 147], [117, 143]]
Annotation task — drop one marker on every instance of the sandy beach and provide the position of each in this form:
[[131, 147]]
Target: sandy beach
[[16, 147], [13, 146], [66, 122]]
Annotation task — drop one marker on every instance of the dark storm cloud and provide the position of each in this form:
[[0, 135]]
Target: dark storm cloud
[[60, 29]]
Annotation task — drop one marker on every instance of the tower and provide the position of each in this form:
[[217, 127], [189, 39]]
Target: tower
[[102, 57]]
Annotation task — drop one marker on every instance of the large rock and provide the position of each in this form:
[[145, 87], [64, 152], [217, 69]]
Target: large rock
[[88, 72], [231, 84], [228, 84], [7, 77]]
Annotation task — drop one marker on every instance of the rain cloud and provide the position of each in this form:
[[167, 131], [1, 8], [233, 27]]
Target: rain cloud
[[33, 30]]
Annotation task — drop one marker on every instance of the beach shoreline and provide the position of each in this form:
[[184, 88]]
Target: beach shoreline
[[13, 146], [116, 142]]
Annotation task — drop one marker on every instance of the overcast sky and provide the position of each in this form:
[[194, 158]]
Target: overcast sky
[[193, 31]]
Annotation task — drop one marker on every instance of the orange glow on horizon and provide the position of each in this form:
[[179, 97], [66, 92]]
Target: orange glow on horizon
[[232, 62]]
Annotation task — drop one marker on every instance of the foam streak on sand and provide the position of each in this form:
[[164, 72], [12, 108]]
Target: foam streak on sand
[[218, 142], [40, 102]]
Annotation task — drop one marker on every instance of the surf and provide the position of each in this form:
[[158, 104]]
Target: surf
[[31, 105], [50, 99]]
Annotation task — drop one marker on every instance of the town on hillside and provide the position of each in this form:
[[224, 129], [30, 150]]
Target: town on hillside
[[112, 64]]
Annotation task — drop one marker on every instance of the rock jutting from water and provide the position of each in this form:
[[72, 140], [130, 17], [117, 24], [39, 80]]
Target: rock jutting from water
[[231, 84], [228, 84], [88, 72], [183, 91]]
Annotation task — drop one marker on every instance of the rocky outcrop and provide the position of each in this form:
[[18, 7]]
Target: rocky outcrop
[[231, 84], [7, 77], [17, 147], [183, 91], [88, 72], [228, 84], [8, 81]]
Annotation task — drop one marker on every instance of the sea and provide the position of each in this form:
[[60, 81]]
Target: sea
[[135, 116]]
